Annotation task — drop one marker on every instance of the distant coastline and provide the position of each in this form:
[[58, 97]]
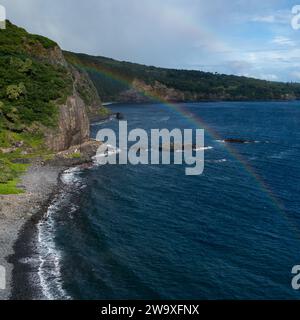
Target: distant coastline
[[132, 82]]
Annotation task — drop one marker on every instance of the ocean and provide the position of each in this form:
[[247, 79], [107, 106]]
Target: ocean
[[152, 232]]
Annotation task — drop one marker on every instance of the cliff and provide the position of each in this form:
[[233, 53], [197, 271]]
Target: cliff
[[46, 103], [74, 115], [41, 94], [73, 125]]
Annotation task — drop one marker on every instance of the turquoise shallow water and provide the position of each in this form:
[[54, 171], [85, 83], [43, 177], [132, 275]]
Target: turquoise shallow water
[[123, 231]]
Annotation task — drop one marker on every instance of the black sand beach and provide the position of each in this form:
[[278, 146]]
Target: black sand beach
[[19, 214]]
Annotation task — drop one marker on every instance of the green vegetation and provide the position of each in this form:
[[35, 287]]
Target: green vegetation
[[31, 87], [104, 112], [13, 148], [29, 96], [113, 77], [9, 173], [11, 187], [49, 156], [75, 155], [15, 40], [28, 140]]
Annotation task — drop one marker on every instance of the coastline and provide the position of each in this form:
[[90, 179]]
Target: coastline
[[19, 212]]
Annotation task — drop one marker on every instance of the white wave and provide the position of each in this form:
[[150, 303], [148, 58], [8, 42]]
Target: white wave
[[49, 270], [163, 119], [253, 158], [217, 160], [203, 148], [196, 149], [281, 155], [49, 256], [101, 122], [266, 141], [70, 176], [105, 151], [255, 141], [220, 160]]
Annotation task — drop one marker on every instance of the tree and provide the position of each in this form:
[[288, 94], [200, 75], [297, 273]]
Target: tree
[[14, 92]]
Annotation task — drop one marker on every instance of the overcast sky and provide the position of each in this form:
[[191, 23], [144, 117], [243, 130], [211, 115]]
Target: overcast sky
[[244, 37]]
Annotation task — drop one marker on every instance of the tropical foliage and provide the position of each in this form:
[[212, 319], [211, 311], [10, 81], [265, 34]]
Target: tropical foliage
[[30, 90]]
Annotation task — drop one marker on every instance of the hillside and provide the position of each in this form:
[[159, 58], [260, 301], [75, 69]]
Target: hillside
[[45, 103], [131, 82], [48, 97]]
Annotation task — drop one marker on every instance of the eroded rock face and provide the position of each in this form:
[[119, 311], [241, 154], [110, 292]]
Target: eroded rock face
[[73, 125], [142, 92], [73, 121], [52, 55], [87, 91]]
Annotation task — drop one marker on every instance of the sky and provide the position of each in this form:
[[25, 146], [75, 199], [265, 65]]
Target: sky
[[252, 38]]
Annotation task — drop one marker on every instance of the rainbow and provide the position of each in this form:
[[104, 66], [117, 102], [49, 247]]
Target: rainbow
[[200, 123]]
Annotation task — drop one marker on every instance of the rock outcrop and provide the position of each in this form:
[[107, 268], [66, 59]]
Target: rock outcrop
[[74, 115], [142, 92], [73, 125], [51, 55], [87, 91]]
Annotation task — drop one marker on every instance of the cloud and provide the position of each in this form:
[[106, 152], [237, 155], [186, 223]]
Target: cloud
[[240, 67], [154, 32], [283, 41], [278, 17], [267, 19], [295, 75], [233, 36], [271, 77]]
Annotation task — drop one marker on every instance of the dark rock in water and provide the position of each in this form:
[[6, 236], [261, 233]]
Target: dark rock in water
[[233, 140], [119, 116], [174, 147]]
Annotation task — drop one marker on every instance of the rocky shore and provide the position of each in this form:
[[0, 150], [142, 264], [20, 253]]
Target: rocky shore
[[40, 184]]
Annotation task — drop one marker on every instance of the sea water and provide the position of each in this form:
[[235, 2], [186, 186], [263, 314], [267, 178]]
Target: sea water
[[151, 232]]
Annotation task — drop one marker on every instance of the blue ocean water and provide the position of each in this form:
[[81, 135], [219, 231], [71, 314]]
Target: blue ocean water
[[151, 232]]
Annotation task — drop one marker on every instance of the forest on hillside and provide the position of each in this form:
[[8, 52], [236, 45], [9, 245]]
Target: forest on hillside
[[112, 77]]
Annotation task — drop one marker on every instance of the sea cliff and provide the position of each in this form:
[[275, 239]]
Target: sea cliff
[[46, 105]]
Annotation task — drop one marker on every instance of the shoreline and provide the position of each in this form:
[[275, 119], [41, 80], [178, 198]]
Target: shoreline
[[21, 213]]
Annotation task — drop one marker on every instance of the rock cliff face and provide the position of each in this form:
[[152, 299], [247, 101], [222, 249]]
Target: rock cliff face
[[73, 125], [51, 55], [142, 92], [73, 121], [87, 91]]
